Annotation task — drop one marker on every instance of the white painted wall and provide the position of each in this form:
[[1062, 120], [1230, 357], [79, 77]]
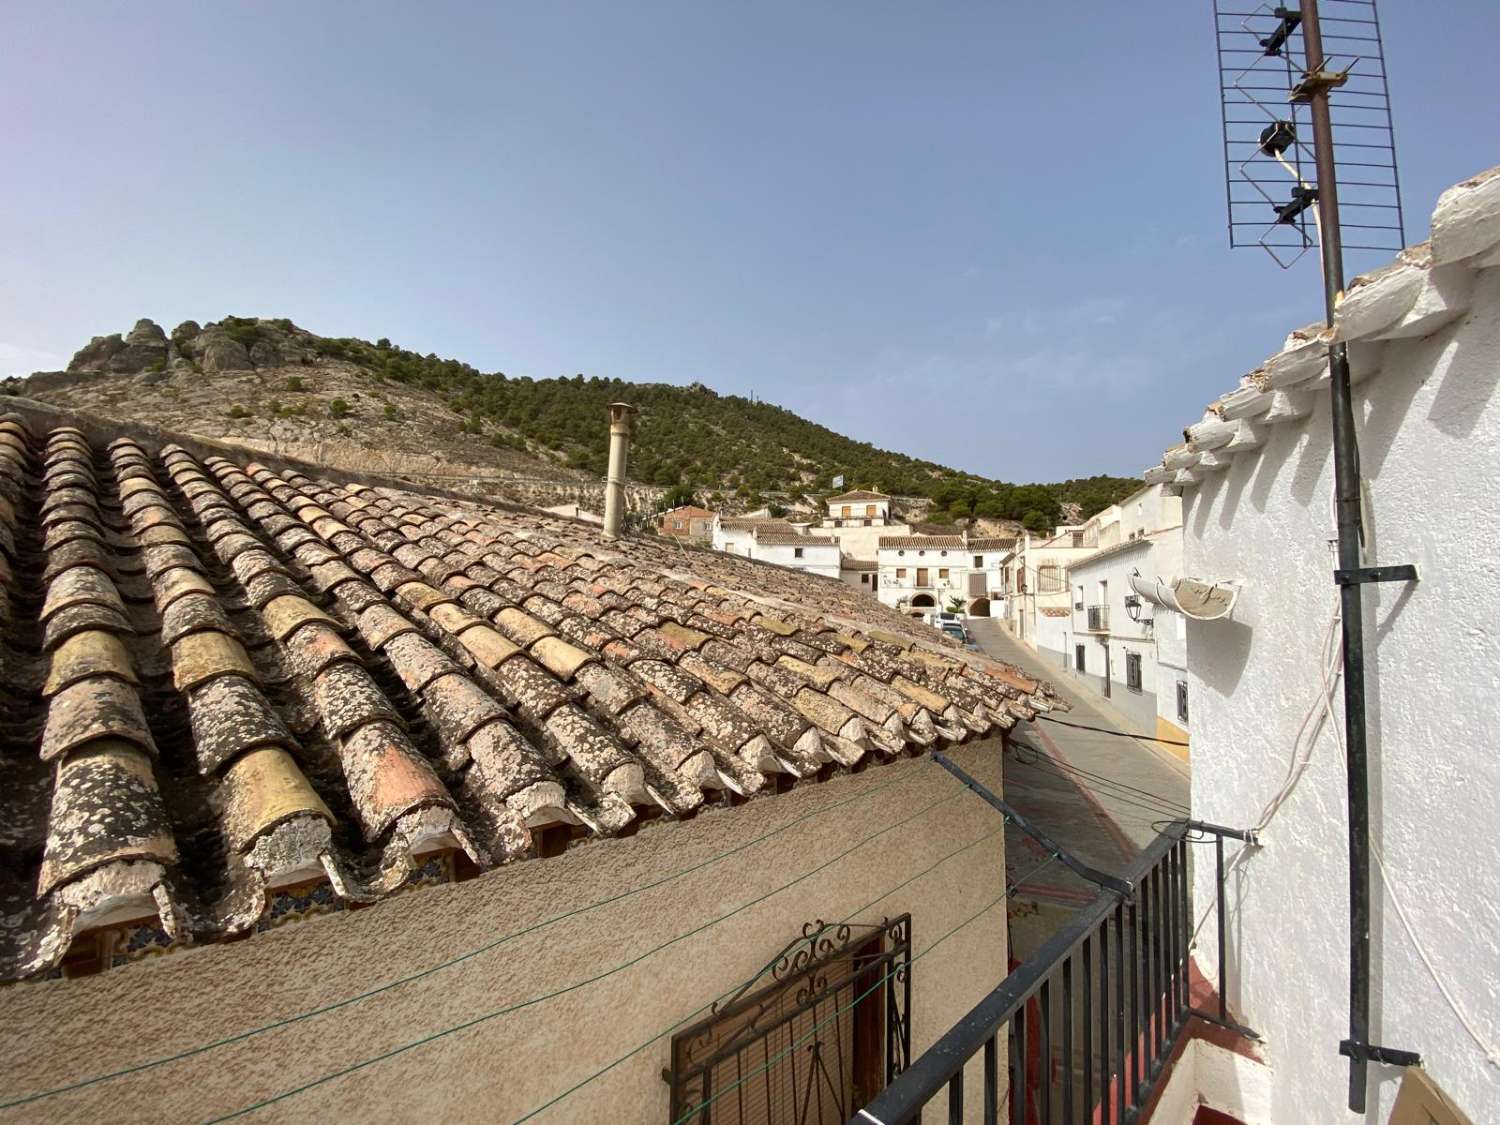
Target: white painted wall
[[1429, 431], [816, 558]]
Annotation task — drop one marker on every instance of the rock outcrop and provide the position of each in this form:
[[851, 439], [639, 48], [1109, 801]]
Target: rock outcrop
[[216, 350]]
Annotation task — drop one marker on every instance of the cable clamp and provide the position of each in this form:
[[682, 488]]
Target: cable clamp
[[1361, 1052], [1406, 572]]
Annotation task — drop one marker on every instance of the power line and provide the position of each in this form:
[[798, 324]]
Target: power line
[[507, 1009], [1120, 788], [485, 948], [1116, 733]]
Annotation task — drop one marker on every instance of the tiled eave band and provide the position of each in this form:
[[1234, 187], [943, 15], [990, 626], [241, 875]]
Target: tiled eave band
[[1426, 288]]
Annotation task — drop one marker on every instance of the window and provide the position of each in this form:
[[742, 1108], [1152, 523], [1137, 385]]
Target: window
[[827, 995], [943, 572], [978, 562], [677, 525], [797, 552], [900, 552], [864, 579], [846, 511], [901, 572], [1182, 707], [1133, 671], [869, 511], [1078, 599]]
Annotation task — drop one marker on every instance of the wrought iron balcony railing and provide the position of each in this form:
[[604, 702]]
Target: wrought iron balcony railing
[[1108, 993], [1098, 619]]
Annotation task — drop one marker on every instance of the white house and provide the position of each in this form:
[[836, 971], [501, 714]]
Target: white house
[[1034, 581], [735, 535], [925, 572], [816, 554], [1256, 476], [859, 508], [1127, 648], [776, 541], [858, 520]]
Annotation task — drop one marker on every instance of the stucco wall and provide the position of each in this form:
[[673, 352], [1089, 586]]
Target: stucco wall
[[1429, 431], [55, 1032]]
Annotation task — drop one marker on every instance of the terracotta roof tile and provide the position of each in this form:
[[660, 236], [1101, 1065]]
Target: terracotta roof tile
[[347, 677]]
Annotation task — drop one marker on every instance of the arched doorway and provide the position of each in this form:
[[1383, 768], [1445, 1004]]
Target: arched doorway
[[923, 601], [979, 607]]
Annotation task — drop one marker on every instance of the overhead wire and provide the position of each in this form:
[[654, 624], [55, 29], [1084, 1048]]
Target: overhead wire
[[442, 965], [1041, 761], [1115, 733], [519, 1005]]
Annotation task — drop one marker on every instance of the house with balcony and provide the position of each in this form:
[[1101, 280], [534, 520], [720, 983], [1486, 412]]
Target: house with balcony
[[1034, 584], [1122, 646], [924, 573], [859, 508]]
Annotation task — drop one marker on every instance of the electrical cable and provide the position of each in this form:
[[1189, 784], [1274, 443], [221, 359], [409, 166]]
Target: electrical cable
[[1116, 733], [1141, 806], [1491, 1052], [485, 948], [1043, 760], [509, 1008], [999, 832]]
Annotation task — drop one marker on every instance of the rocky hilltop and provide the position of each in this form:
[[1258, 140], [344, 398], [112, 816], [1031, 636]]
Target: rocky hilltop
[[268, 384]]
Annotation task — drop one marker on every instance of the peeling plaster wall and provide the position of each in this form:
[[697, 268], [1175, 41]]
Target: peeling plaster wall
[[1429, 427], [59, 1031]]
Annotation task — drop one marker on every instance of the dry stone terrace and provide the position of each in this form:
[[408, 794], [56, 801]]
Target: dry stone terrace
[[234, 696]]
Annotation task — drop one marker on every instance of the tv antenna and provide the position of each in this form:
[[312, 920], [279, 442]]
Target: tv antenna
[[1297, 96]]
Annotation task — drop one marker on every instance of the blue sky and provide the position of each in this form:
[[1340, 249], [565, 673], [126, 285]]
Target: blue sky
[[987, 234]]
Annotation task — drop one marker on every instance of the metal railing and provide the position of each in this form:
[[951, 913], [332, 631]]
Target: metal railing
[[1098, 619], [1088, 1023]]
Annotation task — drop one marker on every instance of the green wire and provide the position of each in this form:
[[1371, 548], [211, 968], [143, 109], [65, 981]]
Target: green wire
[[694, 1014], [312, 1012], [582, 983]]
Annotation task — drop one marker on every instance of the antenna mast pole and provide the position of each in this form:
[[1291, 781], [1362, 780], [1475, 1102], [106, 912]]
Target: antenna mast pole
[[1347, 502]]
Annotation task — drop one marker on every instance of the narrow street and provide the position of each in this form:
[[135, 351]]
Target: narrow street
[[1096, 792]]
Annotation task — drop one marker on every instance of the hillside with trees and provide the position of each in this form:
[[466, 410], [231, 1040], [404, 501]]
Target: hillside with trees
[[725, 448]]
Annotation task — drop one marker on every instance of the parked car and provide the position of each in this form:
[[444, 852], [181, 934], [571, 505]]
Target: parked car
[[956, 630]]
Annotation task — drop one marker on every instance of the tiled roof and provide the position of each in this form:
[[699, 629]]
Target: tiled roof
[[992, 543], [775, 539], [755, 523], [857, 494], [925, 542], [1425, 288], [848, 563], [227, 687]]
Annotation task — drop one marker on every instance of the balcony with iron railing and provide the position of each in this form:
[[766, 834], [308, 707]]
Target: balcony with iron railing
[[1097, 619], [1108, 997]]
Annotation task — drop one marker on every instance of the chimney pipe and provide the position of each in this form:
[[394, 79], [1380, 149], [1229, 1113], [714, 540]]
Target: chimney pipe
[[614, 484]]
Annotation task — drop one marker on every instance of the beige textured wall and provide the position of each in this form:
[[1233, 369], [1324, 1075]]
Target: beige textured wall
[[57, 1031]]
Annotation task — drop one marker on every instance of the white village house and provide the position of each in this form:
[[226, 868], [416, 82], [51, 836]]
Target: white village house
[[776, 541], [858, 520], [922, 573], [1256, 477], [1120, 644]]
